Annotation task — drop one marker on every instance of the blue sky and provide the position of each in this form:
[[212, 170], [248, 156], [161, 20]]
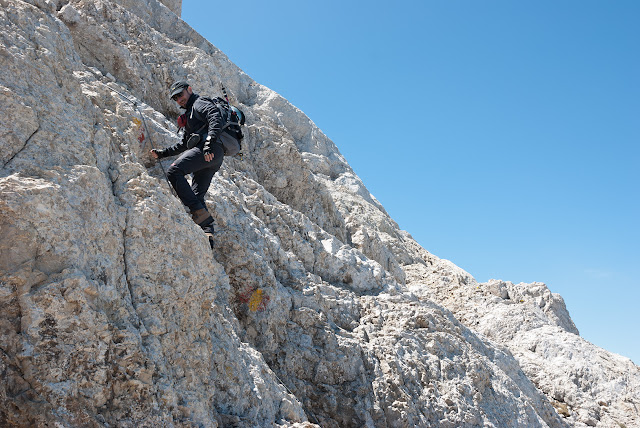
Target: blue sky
[[503, 135]]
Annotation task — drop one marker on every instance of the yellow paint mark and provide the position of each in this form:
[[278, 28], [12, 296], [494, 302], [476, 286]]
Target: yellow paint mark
[[137, 121], [255, 300]]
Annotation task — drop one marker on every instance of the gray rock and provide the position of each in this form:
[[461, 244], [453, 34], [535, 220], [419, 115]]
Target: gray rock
[[313, 309]]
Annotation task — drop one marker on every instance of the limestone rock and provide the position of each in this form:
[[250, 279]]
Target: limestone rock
[[314, 309], [587, 385]]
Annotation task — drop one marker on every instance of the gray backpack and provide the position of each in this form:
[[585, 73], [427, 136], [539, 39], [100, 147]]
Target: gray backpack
[[231, 133]]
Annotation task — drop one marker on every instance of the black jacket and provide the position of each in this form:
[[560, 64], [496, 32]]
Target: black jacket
[[204, 118]]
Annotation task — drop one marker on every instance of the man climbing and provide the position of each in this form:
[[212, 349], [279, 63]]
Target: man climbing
[[201, 152]]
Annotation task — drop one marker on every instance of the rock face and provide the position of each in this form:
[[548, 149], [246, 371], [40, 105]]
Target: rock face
[[314, 308]]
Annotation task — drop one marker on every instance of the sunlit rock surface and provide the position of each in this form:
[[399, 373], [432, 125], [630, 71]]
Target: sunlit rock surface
[[313, 308]]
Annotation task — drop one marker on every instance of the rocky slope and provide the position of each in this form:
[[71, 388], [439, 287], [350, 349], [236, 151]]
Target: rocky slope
[[314, 308]]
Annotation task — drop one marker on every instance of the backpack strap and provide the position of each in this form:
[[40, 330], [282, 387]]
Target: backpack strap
[[201, 128], [228, 121]]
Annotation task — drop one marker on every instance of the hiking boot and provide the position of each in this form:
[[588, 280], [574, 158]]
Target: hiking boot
[[201, 217]]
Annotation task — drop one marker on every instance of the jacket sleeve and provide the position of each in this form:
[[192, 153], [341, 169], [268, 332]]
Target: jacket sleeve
[[173, 150], [211, 114]]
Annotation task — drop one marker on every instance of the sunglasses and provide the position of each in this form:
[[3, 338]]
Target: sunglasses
[[175, 97]]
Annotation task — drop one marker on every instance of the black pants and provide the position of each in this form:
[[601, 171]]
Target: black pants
[[192, 161]]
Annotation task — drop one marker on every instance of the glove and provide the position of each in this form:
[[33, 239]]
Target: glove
[[208, 149], [158, 154]]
